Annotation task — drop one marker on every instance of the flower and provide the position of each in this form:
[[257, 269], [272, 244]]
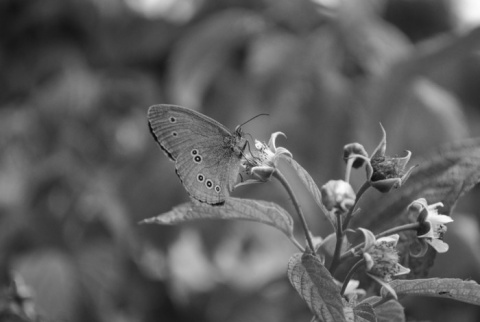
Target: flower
[[352, 291], [382, 258], [338, 195], [351, 151], [432, 225], [383, 172], [262, 162]]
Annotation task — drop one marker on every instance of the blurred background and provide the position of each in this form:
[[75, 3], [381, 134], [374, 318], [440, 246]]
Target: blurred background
[[79, 168]]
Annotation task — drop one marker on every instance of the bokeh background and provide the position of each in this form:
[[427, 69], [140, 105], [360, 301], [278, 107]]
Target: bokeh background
[[79, 168]]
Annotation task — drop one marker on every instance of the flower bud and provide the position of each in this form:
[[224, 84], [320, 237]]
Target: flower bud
[[338, 195], [351, 150]]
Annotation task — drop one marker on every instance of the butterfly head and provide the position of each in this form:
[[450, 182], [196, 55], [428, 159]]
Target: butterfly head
[[238, 141]]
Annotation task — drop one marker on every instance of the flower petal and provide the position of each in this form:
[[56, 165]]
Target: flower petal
[[439, 245], [263, 172], [247, 182], [402, 162], [420, 203], [369, 262], [387, 184], [429, 234], [384, 284], [273, 137], [380, 149], [407, 174], [369, 238], [281, 150], [402, 270], [440, 219]]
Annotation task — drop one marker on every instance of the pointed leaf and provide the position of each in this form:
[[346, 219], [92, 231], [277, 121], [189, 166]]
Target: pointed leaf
[[308, 182], [389, 291], [234, 208], [369, 238], [391, 311], [452, 288], [316, 286], [364, 312]]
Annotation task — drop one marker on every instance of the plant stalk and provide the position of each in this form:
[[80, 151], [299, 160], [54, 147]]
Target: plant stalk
[[279, 176]]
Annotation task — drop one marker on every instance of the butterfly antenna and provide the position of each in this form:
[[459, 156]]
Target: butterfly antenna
[[262, 114]]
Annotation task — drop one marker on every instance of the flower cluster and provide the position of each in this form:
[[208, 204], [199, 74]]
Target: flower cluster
[[383, 172]]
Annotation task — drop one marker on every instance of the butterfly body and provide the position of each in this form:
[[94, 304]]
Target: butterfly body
[[207, 155]]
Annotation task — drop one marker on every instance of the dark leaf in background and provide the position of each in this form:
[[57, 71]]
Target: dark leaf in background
[[316, 286], [370, 45], [207, 49]]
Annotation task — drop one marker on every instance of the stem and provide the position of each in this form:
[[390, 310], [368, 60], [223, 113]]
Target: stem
[[360, 193], [411, 226], [277, 174], [338, 245], [296, 243], [348, 169], [350, 274]]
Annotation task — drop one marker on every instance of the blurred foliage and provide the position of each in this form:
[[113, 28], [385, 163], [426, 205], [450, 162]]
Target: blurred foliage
[[79, 169]]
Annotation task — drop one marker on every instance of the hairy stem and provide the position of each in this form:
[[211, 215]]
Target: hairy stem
[[297, 244], [360, 193], [341, 227], [338, 245], [348, 169], [279, 176]]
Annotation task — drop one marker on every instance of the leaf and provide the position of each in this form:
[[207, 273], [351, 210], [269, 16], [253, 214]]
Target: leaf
[[316, 286], [369, 238], [234, 208], [364, 312], [371, 44], [308, 182], [444, 177], [452, 288], [391, 311]]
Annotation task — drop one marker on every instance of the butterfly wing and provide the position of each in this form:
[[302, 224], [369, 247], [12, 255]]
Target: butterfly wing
[[204, 161]]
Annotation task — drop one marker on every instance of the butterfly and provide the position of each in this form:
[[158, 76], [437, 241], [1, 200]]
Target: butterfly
[[207, 155]]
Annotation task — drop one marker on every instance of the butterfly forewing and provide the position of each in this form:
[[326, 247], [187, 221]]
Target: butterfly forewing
[[205, 163]]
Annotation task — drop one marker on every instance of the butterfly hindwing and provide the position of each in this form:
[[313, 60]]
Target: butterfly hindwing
[[205, 164]]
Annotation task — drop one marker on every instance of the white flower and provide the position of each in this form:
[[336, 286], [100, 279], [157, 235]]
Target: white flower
[[262, 162], [432, 225]]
